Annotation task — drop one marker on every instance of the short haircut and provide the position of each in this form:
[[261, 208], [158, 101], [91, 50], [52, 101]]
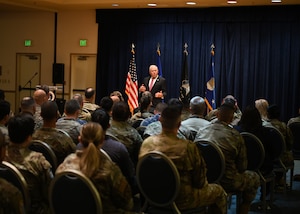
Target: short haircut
[[160, 107], [106, 103], [20, 127], [100, 116], [72, 106], [121, 111], [89, 92], [145, 103], [49, 110], [45, 88], [170, 117], [176, 102], [197, 105], [273, 112], [27, 102], [4, 108], [78, 97]]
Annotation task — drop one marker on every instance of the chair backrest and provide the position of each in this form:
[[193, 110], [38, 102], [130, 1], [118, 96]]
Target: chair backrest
[[72, 192], [46, 150], [158, 179], [214, 159], [137, 123], [295, 129], [141, 130], [10, 173], [255, 151], [111, 136], [276, 139]]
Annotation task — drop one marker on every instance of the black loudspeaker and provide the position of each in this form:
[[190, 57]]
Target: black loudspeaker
[[58, 73]]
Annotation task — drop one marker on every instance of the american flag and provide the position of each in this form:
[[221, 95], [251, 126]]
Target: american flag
[[132, 84]]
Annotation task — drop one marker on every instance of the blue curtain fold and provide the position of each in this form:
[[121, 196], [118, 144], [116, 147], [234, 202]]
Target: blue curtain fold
[[257, 51]]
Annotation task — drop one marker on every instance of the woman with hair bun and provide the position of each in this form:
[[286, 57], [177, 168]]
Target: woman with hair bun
[[107, 177]]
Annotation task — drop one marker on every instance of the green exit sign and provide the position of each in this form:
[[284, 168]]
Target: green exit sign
[[82, 42], [27, 43]]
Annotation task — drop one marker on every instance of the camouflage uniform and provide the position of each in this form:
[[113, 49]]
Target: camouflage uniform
[[89, 107], [194, 188], [287, 156], [236, 177], [61, 143], [4, 131], [127, 135], [155, 128], [113, 187], [11, 199], [293, 120], [71, 126], [36, 171], [38, 120]]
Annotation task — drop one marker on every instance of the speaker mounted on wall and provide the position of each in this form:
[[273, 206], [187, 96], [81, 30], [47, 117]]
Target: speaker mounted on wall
[[58, 73]]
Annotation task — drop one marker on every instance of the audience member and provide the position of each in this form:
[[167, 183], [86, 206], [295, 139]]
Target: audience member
[[4, 118], [287, 155], [11, 199], [116, 150], [121, 129], [116, 96], [39, 97], [196, 119], [107, 177], [294, 119], [155, 84], [106, 104], [88, 103], [33, 165], [155, 127], [84, 115], [61, 143], [28, 106], [69, 123], [143, 110], [236, 177], [251, 122], [212, 115], [195, 190], [262, 106], [157, 111]]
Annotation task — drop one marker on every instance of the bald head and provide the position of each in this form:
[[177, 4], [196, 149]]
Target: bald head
[[197, 106], [40, 96]]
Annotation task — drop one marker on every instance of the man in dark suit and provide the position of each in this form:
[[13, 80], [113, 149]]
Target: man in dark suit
[[155, 84]]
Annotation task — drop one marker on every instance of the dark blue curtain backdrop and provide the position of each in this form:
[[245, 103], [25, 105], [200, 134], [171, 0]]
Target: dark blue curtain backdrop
[[257, 51]]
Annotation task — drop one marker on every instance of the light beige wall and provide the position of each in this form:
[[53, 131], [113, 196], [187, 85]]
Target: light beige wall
[[39, 27]]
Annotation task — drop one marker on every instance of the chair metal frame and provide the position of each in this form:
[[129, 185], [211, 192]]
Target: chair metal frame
[[213, 163], [255, 146], [72, 199], [154, 176], [295, 129], [46, 150], [280, 166], [11, 173]]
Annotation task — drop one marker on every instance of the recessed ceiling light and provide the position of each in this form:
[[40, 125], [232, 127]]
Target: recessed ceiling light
[[191, 3], [115, 5], [231, 2], [276, 1], [152, 5]]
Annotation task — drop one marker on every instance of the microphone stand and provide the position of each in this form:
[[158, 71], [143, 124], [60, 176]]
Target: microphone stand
[[29, 81]]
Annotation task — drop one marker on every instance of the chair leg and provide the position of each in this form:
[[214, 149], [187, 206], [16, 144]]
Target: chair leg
[[264, 193], [291, 177]]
